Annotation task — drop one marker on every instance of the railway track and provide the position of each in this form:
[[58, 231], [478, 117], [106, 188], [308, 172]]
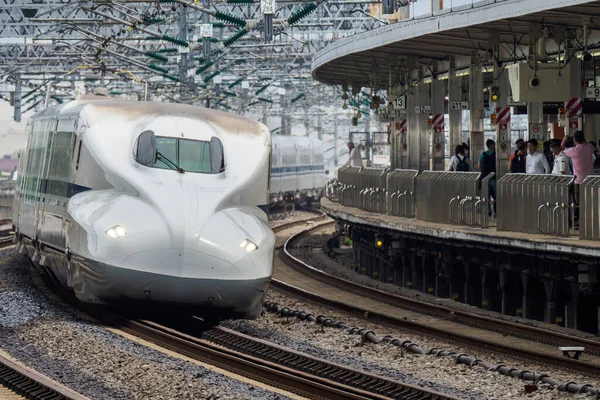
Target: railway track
[[24, 383], [478, 323]]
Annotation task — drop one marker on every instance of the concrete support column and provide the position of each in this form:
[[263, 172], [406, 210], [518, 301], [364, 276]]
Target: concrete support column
[[412, 136], [503, 145], [571, 307], [467, 266], [535, 115], [476, 114], [455, 95], [550, 306], [423, 100], [525, 299], [485, 290], [438, 148]]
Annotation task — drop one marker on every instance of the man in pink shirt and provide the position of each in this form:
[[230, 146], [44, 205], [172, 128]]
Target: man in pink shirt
[[583, 160]]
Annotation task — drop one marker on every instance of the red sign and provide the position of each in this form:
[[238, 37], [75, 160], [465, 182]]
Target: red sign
[[574, 123], [502, 114]]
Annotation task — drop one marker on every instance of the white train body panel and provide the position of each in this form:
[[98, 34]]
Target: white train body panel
[[297, 170], [183, 230]]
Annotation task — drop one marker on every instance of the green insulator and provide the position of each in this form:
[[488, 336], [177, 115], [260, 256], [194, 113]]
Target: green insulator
[[235, 37], [152, 20], [55, 97], [199, 59], [174, 40], [295, 99], [236, 82], [158, 68], [214, 40], [209, 77], [172, 77], [265, 100], [218, 25], [230, 18], [156, 56], [230, 94], [204, 67], [153, 38], [262, 89], [169, 50], [301, 13]]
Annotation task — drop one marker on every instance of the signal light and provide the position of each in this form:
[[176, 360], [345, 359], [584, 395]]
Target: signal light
[[379, 241], [494, 93]]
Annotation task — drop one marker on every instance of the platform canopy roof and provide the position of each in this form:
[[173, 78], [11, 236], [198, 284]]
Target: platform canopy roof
[[504, 31]]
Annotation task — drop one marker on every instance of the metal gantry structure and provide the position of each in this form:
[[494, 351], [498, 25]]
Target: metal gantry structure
[[236, 55]]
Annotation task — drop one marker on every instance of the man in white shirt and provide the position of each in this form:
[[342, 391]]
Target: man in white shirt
[[536, 162], [561, 163], [355, 159]]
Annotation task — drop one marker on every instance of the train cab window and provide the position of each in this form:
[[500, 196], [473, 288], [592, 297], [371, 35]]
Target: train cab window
[[190, 155]]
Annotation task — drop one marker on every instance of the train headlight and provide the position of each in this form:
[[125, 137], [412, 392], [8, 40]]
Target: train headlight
[[248, 245], [116, 232]]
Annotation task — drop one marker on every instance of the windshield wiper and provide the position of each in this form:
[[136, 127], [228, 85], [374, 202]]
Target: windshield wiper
[[168, 162]]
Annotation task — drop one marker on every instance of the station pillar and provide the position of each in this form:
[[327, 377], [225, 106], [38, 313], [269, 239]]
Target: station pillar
[[456, 104], [422, 111], [438, 148], [477, 142], [535, 119], [412, 137], [503, 113]]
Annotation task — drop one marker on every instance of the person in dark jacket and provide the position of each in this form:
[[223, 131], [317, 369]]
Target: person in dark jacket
[[517, 162], [487, 165]]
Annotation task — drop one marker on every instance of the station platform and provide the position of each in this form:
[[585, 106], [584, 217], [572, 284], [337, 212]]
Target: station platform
[[571, 245]]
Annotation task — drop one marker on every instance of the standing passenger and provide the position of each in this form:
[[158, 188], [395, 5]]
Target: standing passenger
[[536, 160], [517, 162], [487, 165], [561, 163], [355, 159], [582, 157], [459, 161]]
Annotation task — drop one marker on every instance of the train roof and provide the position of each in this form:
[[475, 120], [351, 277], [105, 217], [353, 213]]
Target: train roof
[[101, 110]]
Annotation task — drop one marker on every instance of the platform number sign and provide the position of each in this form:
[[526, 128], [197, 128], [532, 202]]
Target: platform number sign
[[423, 109], [267, 6], [592, 93], [399, 103], [459, 105]]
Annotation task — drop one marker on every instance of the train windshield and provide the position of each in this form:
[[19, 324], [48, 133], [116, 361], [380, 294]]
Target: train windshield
[[190, 155]]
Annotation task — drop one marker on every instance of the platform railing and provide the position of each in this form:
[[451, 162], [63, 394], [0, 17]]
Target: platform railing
[[448, 197], [538, 204], [372, 188], [589, 208], [347, 186], [401, 192]]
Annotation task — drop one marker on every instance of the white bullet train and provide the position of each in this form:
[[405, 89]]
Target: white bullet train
[[150, 204], [297, 172]]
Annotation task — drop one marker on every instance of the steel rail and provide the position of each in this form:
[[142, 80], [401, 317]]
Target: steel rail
[[512, 329]]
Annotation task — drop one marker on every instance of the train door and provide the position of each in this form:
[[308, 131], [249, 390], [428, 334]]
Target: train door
[[58, 183]]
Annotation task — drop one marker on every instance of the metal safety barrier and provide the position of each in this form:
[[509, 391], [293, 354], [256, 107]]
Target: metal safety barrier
[[348, 179], [372, 189], [401, 191], [589, 208], [534, 203], [449, 197]]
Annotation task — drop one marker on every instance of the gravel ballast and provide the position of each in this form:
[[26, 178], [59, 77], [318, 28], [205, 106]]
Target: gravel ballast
[[441, 374], [48, 336]]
